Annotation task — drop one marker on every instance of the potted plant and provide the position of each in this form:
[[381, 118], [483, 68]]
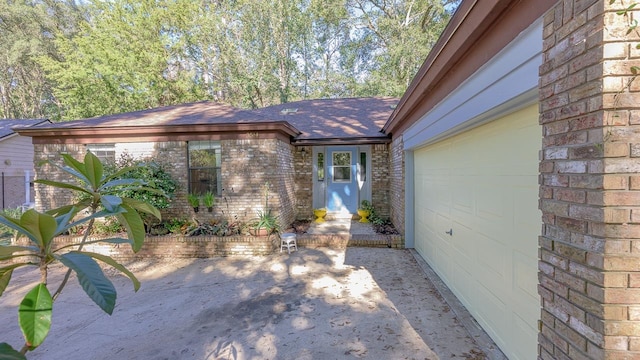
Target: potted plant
[[320, 214], [194, 201], [208, 200], [365, 210], [266, 224]]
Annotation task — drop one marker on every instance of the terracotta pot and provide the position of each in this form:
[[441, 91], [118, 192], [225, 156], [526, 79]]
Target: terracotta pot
[[259, 232]]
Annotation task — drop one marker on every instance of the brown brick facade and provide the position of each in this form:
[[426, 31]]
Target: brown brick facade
[[248, 168], [589, 251], [45, 156], [380, 179], [303, 165], [396, 183]]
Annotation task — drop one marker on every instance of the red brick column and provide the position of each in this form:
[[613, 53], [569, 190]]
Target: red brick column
[[589, 269]]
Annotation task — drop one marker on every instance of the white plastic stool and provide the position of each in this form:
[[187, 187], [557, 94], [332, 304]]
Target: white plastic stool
[[288, 240]]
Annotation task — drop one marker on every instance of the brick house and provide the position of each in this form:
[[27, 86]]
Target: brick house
[[304, 155], [16, 163], [511, 164], [516, 175]]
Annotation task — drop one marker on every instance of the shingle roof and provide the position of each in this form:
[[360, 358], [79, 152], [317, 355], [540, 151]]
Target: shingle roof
[[314, 119], [203, 112], [7, 125], [335, 118]]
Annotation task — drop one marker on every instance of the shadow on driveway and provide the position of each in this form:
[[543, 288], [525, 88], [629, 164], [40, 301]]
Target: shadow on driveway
[[313, 304]]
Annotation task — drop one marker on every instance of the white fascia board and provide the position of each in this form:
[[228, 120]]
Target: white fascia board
[[506, 83]]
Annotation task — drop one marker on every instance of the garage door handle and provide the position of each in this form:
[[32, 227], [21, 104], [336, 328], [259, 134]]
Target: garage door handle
[[450, 232]]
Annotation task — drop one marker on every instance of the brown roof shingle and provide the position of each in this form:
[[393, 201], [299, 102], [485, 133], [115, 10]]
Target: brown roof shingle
[[315, 120]]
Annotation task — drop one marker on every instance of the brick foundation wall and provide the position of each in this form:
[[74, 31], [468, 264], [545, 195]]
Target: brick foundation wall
[[396, 183], [589, 185], [180, 246], [380, 179]]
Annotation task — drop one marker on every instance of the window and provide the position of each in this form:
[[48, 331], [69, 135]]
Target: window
[[341, 166], [105, 152], [204, 167], [363, 166], [320, 166]]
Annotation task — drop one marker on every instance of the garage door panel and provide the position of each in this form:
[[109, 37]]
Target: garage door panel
[[525, 279], [523, 331], [488, 306], [489, 201], [483, 185]]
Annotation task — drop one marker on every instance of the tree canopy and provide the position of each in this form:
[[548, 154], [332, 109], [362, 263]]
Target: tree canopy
[[67, 59]]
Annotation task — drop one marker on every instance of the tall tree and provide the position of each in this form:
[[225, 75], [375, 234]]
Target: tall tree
[[123, 59], [132, 54], [26, 29], [396, 36]]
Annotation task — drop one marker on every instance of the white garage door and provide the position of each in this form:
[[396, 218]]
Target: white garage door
[[477, 224]]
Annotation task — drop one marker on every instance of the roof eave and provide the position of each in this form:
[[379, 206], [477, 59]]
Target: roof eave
[[150, 131], [475, 22], [342, 141]]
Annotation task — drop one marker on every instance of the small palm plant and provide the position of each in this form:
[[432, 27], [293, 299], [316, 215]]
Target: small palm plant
[[40, 228], [194, 201], [208, 199]]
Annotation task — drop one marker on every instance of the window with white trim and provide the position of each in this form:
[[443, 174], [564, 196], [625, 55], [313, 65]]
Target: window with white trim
[[341, 166], [204, 167], [105, 152]]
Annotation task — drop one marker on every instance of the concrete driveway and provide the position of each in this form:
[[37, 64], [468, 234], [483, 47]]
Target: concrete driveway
[[313, 304]]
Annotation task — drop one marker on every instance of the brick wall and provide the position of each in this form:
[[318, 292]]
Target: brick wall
[[396, 183], [179, 246], [47, 197], [247, 166], [303, 165], [589, 253], [380, 179]]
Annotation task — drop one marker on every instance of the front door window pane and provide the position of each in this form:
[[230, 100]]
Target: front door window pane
[[342, 166]]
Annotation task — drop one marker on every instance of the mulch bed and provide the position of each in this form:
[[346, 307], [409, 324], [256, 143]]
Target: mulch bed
[[302, 227]]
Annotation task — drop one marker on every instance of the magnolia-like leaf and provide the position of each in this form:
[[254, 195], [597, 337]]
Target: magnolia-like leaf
[[34, 315], [5, 275], [121, 182], [63, 220], [75, 165], [62, 185], [134, 225], [9, 353], [142, 206], [120, 173], [41, 226], [6, 251], [93, 170], [96, 215], [107, 260], [92, 279], [15, 225], [111, 203]]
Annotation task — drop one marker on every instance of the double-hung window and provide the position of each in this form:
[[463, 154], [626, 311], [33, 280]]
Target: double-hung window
[[105, 152], [204, 167]]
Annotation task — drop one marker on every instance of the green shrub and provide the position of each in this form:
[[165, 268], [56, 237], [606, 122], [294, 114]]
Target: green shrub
[[151, 173]]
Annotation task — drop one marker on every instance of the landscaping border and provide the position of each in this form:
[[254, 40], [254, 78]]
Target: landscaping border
[[182, 246]]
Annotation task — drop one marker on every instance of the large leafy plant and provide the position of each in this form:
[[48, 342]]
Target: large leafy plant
[[99, 201]]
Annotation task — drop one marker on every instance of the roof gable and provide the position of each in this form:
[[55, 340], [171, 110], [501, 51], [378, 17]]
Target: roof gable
[[7, 125]]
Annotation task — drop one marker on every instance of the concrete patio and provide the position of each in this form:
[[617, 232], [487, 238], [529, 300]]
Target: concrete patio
[[319, 303]]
